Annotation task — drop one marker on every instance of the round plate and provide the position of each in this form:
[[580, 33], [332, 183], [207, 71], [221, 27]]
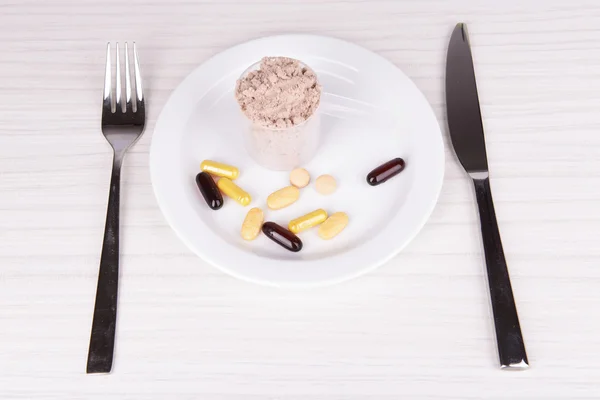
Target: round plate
[[371, 113]]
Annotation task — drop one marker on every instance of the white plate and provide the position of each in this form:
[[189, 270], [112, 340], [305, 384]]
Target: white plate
[[371, 113]]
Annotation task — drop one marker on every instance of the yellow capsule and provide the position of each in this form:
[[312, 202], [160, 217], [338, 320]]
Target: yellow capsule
[[307, 221], [219, 169], [232, 190]]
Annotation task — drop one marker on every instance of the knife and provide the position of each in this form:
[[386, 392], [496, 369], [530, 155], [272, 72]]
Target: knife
[[466, 134]]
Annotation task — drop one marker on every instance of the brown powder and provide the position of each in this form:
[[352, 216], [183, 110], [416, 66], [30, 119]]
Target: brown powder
[[281, 94]]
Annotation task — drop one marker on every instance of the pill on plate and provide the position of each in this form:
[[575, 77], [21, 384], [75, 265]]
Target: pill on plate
[[325, 184], [234, 191], [219, 169], [209, 190], [252, 223], [385, 171], [333, 225], [283, 197], [282, 236], [299, 177], [307, 221]]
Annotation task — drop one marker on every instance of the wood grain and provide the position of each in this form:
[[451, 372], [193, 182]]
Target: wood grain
[[417, 328]]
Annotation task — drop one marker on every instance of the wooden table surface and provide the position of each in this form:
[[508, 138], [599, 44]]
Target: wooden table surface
[[417, 328]]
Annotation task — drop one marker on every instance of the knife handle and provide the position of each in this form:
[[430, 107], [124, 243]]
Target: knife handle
[[511, 347]]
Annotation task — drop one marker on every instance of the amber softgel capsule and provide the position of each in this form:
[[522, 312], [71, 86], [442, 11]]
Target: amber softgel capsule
[[209, 190], [282, 236], [385, 171]]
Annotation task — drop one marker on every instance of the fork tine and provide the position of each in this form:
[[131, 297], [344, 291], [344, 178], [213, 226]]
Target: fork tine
[[107, 103], [127, 80], [138, 78], [119, 103]]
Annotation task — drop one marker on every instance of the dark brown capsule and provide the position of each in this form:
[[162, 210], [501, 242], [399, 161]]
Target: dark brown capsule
[[282, 236], [209, 190], [385, 171]]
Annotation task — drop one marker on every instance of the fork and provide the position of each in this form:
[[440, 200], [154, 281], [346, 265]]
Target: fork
[[122, 125]]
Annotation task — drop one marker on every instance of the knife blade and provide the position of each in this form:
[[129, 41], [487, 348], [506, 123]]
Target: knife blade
[[467, 136], [462, 102]]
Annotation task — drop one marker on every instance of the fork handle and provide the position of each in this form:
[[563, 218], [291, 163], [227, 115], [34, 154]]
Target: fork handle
[[102, 341], [511, 347]]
